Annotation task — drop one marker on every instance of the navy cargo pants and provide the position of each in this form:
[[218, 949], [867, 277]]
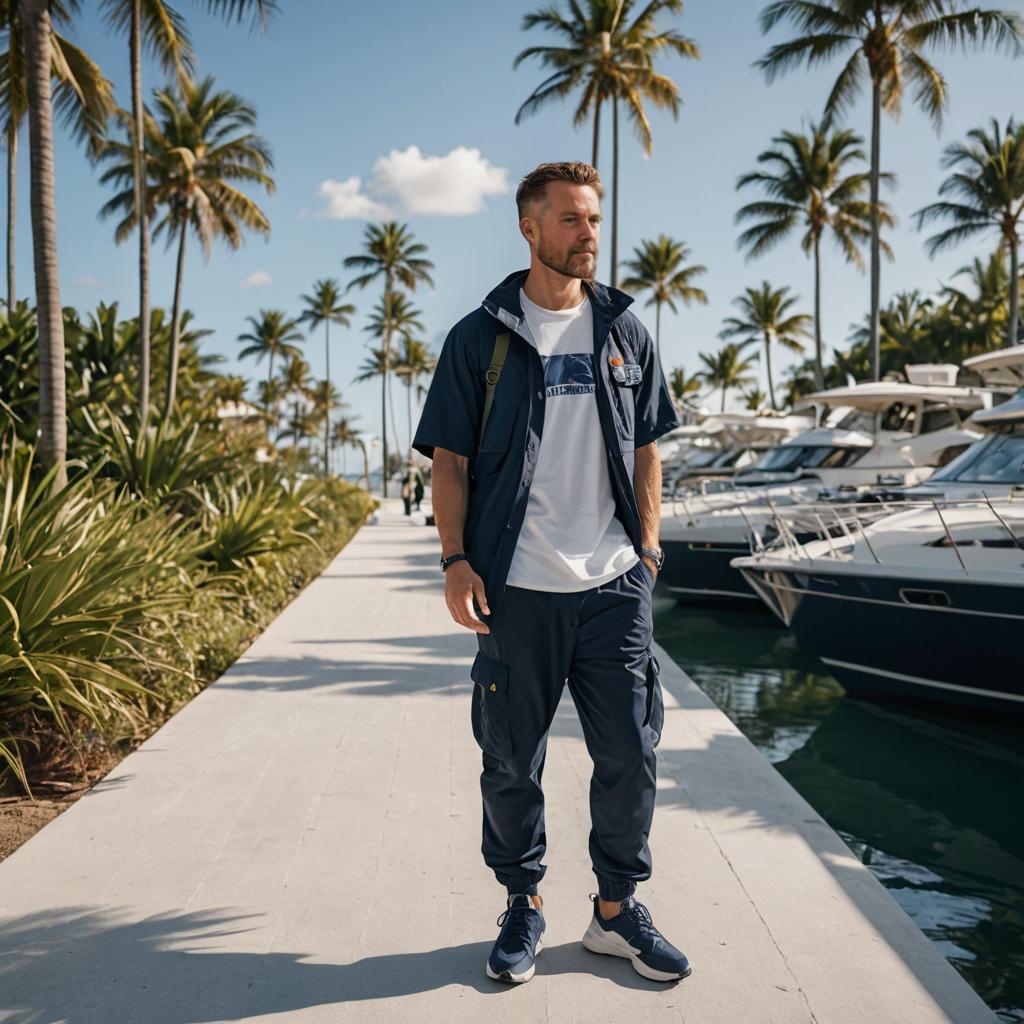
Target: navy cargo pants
[[600, 640]]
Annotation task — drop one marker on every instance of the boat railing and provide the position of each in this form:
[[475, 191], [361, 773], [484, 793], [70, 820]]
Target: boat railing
[[793, 527]]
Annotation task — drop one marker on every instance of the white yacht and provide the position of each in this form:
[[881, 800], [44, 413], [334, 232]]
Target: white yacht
[[723, 446], [924, 603], [884, 433]]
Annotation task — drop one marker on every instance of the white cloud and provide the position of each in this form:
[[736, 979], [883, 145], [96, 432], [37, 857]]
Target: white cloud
[[257, 279], [453, 185], [89, 282], [346, 201]]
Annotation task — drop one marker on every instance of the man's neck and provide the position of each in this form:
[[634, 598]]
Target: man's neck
[[550, 290]]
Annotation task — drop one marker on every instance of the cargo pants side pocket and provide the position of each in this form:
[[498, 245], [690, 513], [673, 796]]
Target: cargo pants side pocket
[[654, 718], [491, 715]]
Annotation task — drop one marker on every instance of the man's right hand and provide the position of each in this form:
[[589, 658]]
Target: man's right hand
[[461, 585]]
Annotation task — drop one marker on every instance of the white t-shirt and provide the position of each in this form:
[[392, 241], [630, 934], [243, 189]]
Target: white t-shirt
[[571, 538]]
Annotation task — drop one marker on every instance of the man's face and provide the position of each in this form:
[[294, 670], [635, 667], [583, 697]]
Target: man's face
[[565, 228]]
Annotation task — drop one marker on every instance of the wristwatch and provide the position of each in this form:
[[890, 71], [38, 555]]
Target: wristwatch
[[657, 554], [445, 562]]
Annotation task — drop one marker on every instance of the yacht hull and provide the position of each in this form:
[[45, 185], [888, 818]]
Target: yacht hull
[[953, 642], [698, 572]]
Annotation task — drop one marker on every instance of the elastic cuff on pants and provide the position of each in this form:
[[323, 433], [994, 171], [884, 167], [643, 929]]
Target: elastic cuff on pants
[[530, 888], [611, 890]]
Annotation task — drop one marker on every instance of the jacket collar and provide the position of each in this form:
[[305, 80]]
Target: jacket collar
[[503, 302]]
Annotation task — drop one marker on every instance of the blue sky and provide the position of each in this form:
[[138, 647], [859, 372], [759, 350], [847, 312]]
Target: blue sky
[[344, 90]]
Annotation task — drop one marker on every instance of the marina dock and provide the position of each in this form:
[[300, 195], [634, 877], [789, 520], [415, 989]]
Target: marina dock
[[301, 843]]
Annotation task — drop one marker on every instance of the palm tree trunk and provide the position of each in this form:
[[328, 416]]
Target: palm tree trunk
[[614, 277], [819, 371], [408, 409], [876, 129], [723, 399], [12, 164], [327, 399], [12, 167], [172, 361], [657, 330], [141, 211], [597, 132], [1011, 330], [386, 341], [391, 405], [768, 367], [53, 439]]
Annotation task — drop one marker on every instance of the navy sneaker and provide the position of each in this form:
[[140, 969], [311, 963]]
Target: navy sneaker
[[518, 942], [631, 933]]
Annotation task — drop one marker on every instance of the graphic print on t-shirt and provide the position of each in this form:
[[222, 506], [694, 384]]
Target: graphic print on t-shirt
[[569, 374]]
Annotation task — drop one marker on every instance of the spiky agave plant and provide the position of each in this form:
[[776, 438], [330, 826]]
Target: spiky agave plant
[[86, 580]]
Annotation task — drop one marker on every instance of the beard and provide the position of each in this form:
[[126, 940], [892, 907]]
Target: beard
[[568, 263]]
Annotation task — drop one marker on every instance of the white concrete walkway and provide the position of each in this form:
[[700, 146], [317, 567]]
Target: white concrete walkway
[[301, 844]]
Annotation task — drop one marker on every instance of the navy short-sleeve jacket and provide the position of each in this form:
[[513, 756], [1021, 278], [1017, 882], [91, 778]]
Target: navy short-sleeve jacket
[[634, 408]]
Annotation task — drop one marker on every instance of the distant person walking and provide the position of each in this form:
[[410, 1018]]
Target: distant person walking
[[541, 420], [407, 492], [418, 489]]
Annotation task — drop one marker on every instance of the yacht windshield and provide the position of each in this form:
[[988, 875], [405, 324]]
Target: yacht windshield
[[789, 457], [857, 419], [704, 457], [996, 460], [727, 458]]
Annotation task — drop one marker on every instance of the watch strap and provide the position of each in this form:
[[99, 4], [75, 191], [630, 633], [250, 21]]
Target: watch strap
[[457, 557], [656, 553]]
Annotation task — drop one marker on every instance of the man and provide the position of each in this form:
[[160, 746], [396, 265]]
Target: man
[[550, 554]]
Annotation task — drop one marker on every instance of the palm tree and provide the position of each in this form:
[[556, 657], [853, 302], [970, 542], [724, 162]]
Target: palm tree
[[986, 193], [324, 396], [611, 58], [39, 57], [976, 321], [167, 38], [272, 334], [766, 316], [682, 387], [297, 384], [659, 267], [203, 142], [886, 38], [324, 307], [389, 252], [271, 395], [415, 361], [394, 319], [727, 369], [754, 400], [806, 181], [81, 92], [345, 435]]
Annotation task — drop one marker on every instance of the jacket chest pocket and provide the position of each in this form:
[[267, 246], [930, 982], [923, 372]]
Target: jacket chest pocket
[[501, 429], [501, 421], [623, 403], [490, 713]]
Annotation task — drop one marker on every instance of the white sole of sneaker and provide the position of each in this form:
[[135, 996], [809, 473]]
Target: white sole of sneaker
[[516, 979], [597, 940]]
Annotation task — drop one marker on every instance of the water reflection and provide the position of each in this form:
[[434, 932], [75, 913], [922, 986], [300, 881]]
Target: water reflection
[[930, 802]]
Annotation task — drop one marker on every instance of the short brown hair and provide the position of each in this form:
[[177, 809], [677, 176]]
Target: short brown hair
[[534, 186]]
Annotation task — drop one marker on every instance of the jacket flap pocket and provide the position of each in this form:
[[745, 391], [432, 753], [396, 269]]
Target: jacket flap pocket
[[491, 674]]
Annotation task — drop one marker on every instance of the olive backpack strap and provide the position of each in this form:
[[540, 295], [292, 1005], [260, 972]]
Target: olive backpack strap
[[492, 375]]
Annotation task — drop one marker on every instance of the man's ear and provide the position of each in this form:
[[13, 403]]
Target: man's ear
[[528, 229]]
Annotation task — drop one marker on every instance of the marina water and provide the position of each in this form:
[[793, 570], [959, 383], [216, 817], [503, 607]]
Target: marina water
[[929, 801]]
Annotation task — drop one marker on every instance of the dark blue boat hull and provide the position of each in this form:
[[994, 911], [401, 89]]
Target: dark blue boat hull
[[954, 643], [702, 574]]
